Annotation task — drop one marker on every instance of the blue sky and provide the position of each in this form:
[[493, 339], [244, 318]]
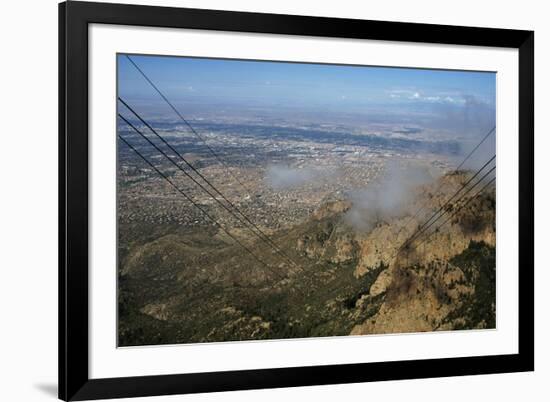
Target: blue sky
[[445, 103], [236, 81]]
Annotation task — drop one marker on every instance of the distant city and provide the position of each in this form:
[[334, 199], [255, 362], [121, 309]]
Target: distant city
[[340, 161]]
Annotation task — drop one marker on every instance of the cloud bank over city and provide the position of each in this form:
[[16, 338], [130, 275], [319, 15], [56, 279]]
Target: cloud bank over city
[[387, 198]]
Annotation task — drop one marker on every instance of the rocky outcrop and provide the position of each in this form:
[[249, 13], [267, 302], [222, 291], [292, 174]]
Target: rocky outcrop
[[156, 310], [331, 209], [328, 237], [238, 325], [424, 289], [346, 280]]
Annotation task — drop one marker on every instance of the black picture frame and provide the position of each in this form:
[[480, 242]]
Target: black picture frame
[[74, 381]]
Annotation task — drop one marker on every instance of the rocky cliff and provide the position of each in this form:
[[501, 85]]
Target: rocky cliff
[[199, 287]]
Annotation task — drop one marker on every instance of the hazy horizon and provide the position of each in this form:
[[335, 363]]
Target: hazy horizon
[[451, 102]]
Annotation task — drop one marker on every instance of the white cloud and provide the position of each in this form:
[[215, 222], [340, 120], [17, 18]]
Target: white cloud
[[411, 94], [282, 177]]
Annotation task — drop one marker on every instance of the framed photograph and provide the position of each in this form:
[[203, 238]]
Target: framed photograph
[[257, 201]]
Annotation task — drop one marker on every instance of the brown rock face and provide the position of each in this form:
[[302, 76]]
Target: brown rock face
[[381, 283], [423, 288], [347, 278], [417, 299], [327, 237], [158, 311], [331, 208]]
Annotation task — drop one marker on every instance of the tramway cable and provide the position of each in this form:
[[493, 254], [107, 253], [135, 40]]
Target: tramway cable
[[264, 239], [190, 199]]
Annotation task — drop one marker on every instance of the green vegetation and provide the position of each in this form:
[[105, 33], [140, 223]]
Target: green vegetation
[[477, 310], [185, 285], [320, 300], [366, 282]]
